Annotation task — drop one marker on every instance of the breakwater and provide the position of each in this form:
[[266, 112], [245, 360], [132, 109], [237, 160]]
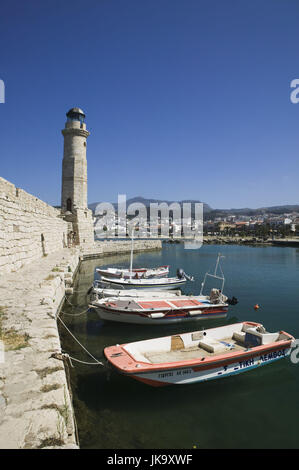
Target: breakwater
[[248, 240], [228, 240]]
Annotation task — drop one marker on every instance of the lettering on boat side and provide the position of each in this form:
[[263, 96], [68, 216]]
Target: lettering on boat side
[[162, 459], [165, 374], [248, 363], [184, 372], [274, 355]]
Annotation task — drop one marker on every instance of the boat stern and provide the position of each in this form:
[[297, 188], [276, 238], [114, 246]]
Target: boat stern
[[120, 359]]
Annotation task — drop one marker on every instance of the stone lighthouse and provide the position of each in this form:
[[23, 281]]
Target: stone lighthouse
[[74, 206]]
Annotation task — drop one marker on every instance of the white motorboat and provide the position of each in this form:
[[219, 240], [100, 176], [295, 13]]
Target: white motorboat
[[136, 273], [198, 356], [151, 284], [136, 282], [132, 293], [161, 309]]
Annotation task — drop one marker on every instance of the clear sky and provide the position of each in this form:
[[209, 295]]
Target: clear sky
[[184, 99]]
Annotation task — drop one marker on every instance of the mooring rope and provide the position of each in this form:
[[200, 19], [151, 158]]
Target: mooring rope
[[79, 291], [72, 305], [73, 314], [83, 362], [74, 337]]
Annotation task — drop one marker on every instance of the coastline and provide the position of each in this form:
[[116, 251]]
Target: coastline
[[256, 241]]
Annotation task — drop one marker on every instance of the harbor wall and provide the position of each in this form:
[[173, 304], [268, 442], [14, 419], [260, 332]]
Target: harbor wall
[[111, 247], [35, 398], [36, 269], [29, 228]]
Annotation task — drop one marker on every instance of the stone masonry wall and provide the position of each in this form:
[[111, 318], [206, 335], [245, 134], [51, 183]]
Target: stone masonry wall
[[29, 228]]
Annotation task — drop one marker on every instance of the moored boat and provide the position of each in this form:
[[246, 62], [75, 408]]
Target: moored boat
[[200, 355], [132, 293], [136, 273], [161, 309], [156, 306], [152, 284]]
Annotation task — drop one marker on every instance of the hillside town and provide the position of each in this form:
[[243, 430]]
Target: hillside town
[[267, 225], [286, 224]]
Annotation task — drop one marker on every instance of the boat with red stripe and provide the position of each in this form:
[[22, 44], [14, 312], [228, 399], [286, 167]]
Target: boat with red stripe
[[200, 355], [163, 308], [161, 311]]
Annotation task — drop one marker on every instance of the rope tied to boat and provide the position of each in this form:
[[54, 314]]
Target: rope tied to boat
[[67, 356], [74, 314]]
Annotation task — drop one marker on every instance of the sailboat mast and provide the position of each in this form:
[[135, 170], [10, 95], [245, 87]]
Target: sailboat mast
[[131, 262], [217, 263]]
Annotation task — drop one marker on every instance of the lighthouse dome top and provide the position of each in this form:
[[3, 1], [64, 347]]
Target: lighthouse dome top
[[75, 114]]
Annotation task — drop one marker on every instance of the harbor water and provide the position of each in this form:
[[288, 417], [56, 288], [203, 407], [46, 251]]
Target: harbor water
[[257, 409]]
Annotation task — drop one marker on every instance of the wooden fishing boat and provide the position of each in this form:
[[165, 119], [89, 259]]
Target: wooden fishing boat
[[136, 273], [201, 355], [161, 309]]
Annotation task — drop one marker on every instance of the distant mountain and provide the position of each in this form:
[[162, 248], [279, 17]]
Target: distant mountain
[[147, 203], [212, 213], [275, 210]]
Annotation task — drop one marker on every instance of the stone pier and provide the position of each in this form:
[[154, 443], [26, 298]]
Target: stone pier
[[35, 401]]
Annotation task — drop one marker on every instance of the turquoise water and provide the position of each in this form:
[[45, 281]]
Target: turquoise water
[[258, 409]]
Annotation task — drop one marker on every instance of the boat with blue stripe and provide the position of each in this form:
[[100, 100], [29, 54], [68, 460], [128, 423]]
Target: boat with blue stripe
[[200, 355]]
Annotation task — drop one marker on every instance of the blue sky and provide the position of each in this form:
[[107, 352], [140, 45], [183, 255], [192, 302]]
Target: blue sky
[[185, 99]]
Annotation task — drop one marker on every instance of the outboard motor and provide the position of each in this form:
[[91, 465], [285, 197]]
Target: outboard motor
[[182, 275], [216, 297], [232, 301]]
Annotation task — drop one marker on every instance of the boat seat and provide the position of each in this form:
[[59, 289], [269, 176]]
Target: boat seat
[[239, 336], [211, 345], [261, 338], [176, 343]]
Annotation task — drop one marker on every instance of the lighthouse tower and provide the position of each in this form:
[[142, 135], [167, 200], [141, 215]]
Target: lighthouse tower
[[74, 206]]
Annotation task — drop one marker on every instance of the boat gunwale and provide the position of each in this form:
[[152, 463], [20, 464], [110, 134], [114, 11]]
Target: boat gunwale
[[117, 309], [114, 272], [132, 282]]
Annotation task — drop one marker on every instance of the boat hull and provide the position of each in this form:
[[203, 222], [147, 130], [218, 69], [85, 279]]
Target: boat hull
[[132, 293], [189, 375], [200, 356], [125, 274], [145, 286], [174, 317]]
